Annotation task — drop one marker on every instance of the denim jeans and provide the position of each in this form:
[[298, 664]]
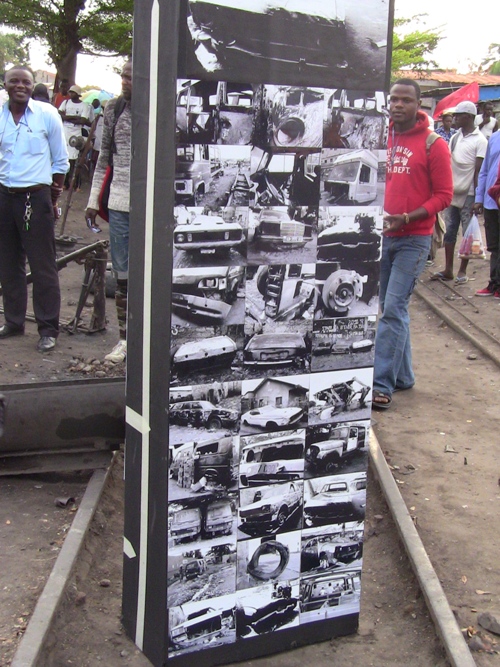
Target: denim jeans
[[118, 242], [455, 216], [403, 260]]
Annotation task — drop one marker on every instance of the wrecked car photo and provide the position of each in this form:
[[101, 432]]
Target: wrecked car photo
[[272, 460], [202, 414], [328, 445], [269, 509], [276, 349], [272, 418], [206, 294], [202, 354], [337, 499], [208, 235]]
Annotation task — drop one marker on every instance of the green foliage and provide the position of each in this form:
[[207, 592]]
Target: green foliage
[[70, 27], [411, 49], [492, 61], [13, 51]]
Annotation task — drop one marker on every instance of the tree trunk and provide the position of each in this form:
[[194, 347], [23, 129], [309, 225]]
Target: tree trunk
[[66, 66]]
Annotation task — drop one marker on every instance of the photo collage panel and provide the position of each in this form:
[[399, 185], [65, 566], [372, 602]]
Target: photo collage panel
[[277, 236]]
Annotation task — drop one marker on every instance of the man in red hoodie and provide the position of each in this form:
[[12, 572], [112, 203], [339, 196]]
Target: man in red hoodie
[[419, 184]]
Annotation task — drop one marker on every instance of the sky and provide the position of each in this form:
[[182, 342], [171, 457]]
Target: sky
[[467, 31], [466, 38]]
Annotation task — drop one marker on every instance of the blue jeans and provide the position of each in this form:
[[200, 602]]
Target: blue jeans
[[403, 260], [455, 216], [118, 242]]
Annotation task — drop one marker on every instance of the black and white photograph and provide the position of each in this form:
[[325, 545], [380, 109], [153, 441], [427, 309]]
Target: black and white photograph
[[267, 608], [201, 355], [350, 235], [203, 466], [274, 404], [208, 519], [334, 499], [340, 396], [346, 289], [285, 179], [205, 236], [272, 558], [355, 119], [343, 342], [272, 509], [337, 448], [201, 574], [284, 350], [282, 235], [271, 458], [201, 624], [214, 112], [280, 294], [330, 594], [352, 177], [209, 296], [331, 548], [213, 176], [288, 41], [289, 117]]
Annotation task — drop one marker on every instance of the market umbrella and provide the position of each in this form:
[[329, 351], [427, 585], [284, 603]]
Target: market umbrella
[[101, 95]]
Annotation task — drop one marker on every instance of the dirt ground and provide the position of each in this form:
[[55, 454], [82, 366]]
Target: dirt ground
[[440, 439], [78, 355]]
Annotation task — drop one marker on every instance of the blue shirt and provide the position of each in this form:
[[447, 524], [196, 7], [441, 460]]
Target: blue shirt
[[489, 172], [446, 135], [34, 149]]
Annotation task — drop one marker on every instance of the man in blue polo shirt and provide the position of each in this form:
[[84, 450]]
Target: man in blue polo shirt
[[485, 204], [33, 163]]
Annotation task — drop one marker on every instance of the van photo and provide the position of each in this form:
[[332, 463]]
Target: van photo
[[351, 177]]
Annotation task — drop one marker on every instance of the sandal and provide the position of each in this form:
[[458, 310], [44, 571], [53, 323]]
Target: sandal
[[384, 400], [461, 280], [440, 275]]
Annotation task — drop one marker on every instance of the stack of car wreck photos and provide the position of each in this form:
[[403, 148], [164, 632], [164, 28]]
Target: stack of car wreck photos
[[278, 222]]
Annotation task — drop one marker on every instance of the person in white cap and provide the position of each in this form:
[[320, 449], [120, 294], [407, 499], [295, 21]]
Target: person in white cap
[[75, 115], [468, 148]]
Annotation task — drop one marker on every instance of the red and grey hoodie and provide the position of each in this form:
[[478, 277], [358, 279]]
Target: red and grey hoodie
[[417, 176]]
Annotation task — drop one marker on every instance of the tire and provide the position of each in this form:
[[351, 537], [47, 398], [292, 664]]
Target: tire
[[272, 425], [282, 517], [262, 280], [214, 424]]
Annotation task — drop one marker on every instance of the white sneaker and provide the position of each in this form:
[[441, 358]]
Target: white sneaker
[[118, 353]]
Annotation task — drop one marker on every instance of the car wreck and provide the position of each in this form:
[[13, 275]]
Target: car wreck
[[288, 290], [207, 353], [208, 234], [206, 293], [290, 36], [201, 414], [272, 460], [203, 624], [343, 396], [333, 444], [279, 349], [275, 229], [203, 464], [272, 418], [339, 500], [270, 509], [329, 552]]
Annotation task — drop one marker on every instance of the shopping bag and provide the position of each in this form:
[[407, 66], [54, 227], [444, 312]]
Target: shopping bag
[[472, 246]]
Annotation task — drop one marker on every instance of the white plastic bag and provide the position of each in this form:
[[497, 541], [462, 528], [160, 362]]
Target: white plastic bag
[[472, 246]]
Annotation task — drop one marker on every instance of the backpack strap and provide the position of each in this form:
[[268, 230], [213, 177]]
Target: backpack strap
[[429, 140]]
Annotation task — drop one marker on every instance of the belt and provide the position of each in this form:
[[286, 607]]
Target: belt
[[19, 191]]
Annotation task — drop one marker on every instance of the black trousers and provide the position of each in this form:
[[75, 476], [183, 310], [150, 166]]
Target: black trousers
[[36, 242], [492, 230]]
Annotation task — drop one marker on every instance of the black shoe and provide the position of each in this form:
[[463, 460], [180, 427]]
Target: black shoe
[[6, 331], [46, 344]]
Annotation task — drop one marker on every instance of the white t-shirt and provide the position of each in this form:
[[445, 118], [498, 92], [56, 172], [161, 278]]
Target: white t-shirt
[[464, 152], [71, 108]]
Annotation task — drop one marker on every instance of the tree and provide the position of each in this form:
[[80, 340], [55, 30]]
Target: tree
[[13, 50], [492, 61], [411, 50], [69, 27]]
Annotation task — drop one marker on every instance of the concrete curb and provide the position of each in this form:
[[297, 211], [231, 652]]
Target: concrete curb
[[31, 646], [454, 643]]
